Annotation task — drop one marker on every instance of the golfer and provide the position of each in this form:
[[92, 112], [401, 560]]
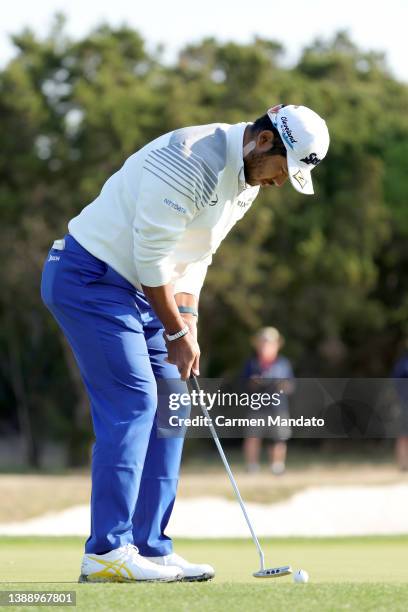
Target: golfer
[[124, 286]]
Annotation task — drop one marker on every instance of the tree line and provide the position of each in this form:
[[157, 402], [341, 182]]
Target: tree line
[[328, 271]]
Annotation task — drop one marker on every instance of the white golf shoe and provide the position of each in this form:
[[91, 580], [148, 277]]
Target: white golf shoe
[[125, 564], [191, 571]]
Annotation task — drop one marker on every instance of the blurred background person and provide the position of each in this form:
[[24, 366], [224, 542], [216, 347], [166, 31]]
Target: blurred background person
[[400, 373], [268, 364]]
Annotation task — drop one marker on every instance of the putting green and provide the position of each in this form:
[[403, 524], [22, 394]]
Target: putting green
[[345, 573]]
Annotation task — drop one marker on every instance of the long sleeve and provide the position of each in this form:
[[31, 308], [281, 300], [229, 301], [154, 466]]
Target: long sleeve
[[165, 208], [193, 279]]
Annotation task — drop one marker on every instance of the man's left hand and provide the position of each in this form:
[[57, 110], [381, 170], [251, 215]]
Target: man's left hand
[[191, 321]]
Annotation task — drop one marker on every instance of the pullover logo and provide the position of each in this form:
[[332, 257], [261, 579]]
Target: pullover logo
[[175, 206], [53, 258], [311, 159], [243, 203], [287, 132]]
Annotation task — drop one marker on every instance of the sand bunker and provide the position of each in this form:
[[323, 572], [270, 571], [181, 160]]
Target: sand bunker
[[317, 511]]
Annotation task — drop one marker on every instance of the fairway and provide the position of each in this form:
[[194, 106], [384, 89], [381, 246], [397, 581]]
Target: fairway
[[347, 573]]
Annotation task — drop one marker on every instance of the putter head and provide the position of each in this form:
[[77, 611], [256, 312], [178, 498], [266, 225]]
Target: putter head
[[273, 572]]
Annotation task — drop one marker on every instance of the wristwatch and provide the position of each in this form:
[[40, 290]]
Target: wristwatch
[[177, 335]]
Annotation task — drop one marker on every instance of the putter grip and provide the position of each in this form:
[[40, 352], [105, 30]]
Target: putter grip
[[194, 382]]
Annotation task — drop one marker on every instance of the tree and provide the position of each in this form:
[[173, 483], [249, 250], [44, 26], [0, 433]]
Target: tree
[[329, 271]]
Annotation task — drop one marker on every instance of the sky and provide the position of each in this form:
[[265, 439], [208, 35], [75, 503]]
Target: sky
[[295, 23]]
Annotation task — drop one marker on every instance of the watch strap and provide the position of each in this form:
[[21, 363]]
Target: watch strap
[[177, 335]]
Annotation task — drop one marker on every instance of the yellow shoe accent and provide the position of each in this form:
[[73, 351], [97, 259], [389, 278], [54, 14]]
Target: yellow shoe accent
[[124, 564], [116, 575]]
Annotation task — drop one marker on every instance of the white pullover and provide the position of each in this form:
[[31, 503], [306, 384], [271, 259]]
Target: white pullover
[[160, 218]]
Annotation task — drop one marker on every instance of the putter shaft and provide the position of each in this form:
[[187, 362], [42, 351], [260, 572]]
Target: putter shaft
[[194, 384]]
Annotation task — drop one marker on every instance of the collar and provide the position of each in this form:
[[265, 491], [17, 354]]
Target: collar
[[242, 184], [235, 153]]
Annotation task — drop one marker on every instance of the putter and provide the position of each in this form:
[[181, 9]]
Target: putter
[[263, 572]]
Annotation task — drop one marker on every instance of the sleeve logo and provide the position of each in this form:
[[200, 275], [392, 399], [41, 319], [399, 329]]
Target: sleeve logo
[[176, 207]]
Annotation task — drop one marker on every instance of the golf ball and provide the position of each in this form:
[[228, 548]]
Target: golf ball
[[301, 576]]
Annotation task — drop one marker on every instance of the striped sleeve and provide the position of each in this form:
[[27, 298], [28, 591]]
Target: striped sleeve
[[185, 172], [164, 209]]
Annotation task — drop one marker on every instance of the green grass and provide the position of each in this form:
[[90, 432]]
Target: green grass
[[354, 574]]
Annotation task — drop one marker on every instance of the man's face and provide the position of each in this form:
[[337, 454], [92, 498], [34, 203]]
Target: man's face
[[262, 168], [267, 349]]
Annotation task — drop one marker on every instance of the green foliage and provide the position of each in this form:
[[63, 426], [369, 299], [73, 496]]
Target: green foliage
[[328, 269]]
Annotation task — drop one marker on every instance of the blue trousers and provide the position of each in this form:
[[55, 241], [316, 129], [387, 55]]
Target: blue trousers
[[118, 344]]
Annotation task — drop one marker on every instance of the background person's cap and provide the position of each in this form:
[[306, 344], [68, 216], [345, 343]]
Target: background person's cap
[[306, 138], [268, 334]]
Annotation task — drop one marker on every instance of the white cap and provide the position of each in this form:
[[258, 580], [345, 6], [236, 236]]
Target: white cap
[[306, 138]]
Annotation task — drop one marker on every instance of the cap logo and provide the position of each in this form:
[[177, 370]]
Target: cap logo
[[276, 108], [298, 176], [311, 159], [287, 134]]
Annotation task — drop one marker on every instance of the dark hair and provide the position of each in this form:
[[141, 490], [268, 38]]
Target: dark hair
[[264, 123]]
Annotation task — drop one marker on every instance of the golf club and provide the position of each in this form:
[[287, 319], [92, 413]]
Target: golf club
[[271, 572]]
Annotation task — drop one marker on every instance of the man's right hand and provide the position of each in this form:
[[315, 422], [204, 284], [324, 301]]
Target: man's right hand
[[183, 353]]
